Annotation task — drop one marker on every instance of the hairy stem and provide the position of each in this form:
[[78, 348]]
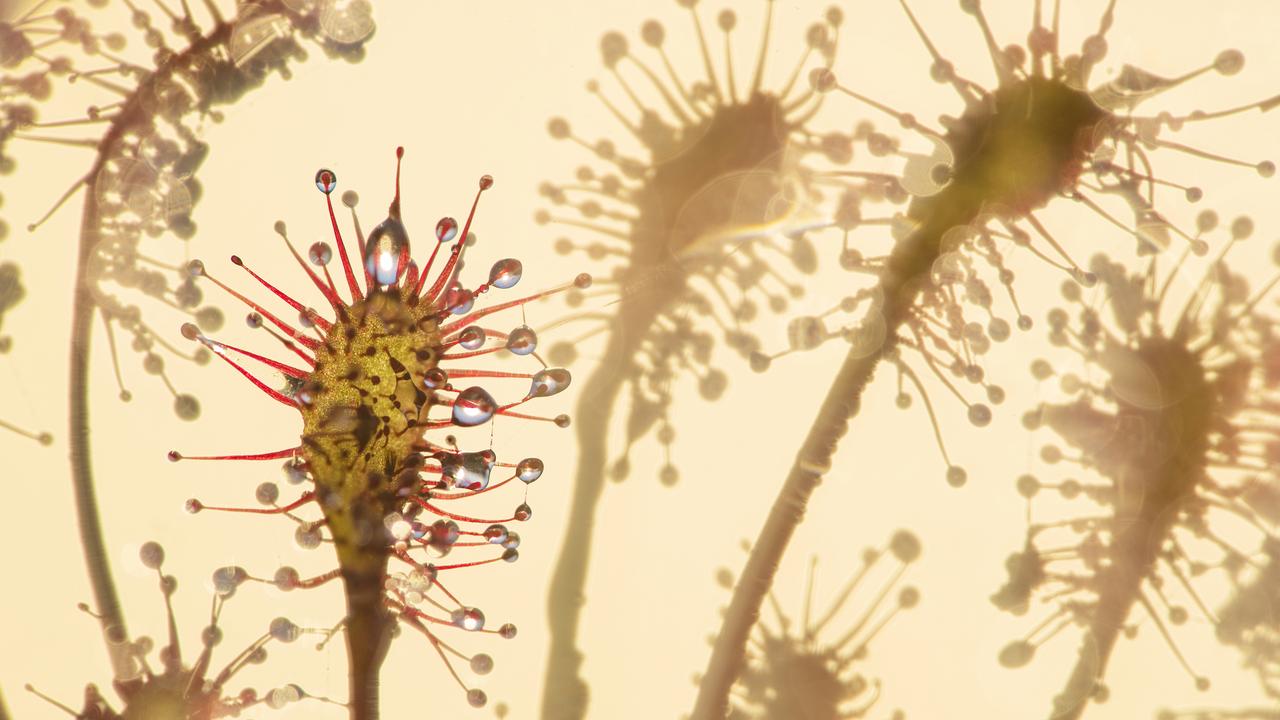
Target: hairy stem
[[82, 314], [729, 652], [134, 113], [907, 267], [565, 694]]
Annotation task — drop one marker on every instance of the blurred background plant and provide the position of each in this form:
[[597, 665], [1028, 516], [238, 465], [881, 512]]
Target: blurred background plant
[[654, 547]]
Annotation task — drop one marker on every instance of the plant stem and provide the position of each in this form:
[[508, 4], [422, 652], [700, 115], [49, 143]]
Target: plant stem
[[906, 268], [131, 114], [813, 460], [82, 313], [368, 638], [565, 694]]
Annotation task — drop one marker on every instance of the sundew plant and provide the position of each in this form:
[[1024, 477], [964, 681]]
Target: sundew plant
[[728, 370]]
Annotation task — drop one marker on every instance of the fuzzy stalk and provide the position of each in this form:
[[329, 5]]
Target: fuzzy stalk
[[901, 281], [83, 310], [132, 113]]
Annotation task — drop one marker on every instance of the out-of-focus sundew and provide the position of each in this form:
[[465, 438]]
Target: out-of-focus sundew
[[808, 661], [702, 215], [473, 94], [164, 683], [1169, 413]]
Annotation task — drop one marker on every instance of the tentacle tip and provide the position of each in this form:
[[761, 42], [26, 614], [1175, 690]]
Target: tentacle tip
[[583, 281], [174, 456]]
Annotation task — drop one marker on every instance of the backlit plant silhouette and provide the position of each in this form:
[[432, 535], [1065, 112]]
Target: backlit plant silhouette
[[365, 376], [175, 689], [1173, 410], [720, 188], [1039, 134], [808, 672], [142, 125]]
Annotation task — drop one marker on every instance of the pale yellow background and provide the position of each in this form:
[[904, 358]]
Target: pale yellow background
[[467, 87]]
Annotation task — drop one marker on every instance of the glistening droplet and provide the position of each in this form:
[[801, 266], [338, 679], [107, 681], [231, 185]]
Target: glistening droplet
[[473, 406]]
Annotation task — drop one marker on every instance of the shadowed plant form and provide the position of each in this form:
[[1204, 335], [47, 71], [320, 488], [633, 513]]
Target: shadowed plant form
[[1168, 410]]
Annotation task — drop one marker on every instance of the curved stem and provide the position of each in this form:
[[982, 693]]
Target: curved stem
[[564, 693], [83, 307], [133, 114]]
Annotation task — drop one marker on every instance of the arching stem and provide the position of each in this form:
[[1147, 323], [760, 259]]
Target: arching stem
[[83, 308]]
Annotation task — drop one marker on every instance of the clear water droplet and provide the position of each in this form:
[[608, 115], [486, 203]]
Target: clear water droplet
[[386, 253], [435, 378], [473, 406], [326, 180], [529, 469], [468, 470], [468, 618], [522, 341], [459, 300], [549, 381], [446, 229], [506, 273], [471, 338]]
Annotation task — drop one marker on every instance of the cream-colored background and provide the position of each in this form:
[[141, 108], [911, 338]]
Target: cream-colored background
[[467, 88]]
